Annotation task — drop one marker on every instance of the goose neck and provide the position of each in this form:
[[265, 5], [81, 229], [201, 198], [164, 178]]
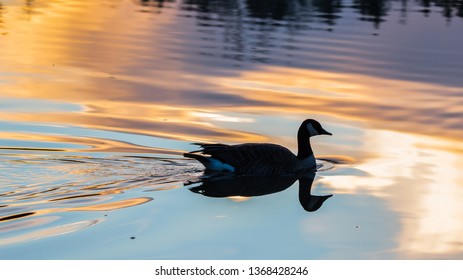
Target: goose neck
[[304, 150]]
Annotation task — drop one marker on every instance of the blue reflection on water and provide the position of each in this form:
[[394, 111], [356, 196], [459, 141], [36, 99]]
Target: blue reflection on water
[[416, 41], [37, 106], [84, 133]]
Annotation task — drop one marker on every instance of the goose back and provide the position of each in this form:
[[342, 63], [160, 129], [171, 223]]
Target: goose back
[[254, 158]]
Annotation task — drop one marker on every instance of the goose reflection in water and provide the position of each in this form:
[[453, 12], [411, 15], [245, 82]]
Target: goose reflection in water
[[228, 185]]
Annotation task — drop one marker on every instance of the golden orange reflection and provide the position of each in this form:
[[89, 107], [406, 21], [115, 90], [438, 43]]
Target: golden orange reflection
[[109, 206], [239, 198], [422, 185], [74, 144], [397, 105], [73, 53], [108, 71], [113, 205], [90, 63]]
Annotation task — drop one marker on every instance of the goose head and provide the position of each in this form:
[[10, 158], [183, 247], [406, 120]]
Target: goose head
[[311, 128], [308, 129]]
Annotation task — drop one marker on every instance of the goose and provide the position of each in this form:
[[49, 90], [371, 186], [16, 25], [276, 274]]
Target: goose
[[261, 158]]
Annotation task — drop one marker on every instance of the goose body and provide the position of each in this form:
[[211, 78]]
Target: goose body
[[261, 158]]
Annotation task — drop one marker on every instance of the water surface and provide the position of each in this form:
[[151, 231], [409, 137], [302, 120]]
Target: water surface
[[99, 99]]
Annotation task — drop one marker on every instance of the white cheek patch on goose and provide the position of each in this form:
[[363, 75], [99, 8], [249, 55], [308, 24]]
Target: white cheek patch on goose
[[312, 130]]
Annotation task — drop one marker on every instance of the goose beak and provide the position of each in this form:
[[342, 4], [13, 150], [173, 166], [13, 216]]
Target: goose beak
[[326, 132]]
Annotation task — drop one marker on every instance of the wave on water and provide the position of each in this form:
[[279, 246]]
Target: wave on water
[[37, 190], [331, 162]]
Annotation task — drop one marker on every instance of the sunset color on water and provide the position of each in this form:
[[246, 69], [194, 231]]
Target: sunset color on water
[[100, 99]]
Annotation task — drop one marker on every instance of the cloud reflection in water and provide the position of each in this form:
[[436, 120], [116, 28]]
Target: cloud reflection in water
[[174, 72]]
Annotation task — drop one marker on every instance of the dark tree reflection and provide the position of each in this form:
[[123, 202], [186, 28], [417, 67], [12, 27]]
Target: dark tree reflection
[[303, 11], [274, 9], [328, 11], [449, 9], [275, 31], [372, 10], [221, 7]]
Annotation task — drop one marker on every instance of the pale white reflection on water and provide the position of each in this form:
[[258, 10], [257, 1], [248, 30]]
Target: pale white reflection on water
[[99, 99]]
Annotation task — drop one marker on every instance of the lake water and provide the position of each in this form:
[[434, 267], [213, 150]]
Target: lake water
[[99, 99]]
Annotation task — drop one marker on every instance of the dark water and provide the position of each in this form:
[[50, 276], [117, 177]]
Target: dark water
[[99, 99]]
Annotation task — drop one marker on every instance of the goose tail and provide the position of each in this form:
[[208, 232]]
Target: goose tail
[[204, 160], [210, 162]]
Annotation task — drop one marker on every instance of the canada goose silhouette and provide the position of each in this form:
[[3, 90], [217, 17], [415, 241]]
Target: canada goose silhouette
[[221, 186], [261, 158]]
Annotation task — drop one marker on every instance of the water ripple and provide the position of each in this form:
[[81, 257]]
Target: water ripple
[[51, 186], [48, 232]]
